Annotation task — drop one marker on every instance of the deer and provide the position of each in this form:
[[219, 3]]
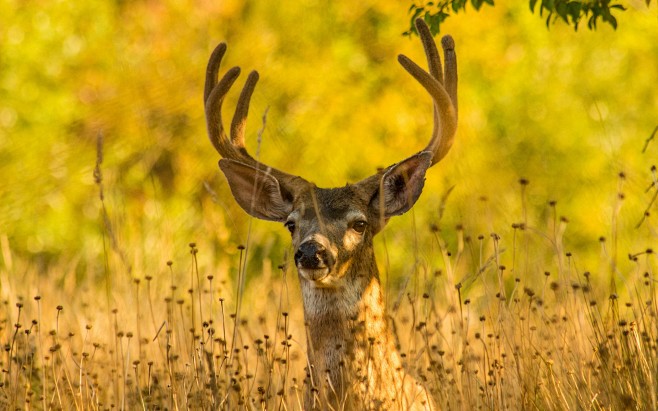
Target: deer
[[353, 362]]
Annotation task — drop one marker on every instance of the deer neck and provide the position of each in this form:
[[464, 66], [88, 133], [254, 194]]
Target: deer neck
[[349, 341]]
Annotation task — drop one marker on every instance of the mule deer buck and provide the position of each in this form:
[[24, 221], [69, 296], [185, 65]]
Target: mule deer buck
[[352, 355]]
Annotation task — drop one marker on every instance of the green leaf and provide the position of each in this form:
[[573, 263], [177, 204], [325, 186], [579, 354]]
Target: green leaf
[[562, 11], [575, 10], [532, 5], [457, 5], [434, 20]]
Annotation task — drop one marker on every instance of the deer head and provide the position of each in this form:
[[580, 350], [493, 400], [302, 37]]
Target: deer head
[[332, 229]]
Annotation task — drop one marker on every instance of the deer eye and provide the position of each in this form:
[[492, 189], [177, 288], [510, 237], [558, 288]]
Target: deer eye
[[359, 226], [290, 225]]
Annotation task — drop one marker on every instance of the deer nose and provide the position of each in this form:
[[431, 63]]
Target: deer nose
[[311, 255]]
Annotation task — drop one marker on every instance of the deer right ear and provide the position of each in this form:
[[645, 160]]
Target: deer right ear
[[401, 185], [257, 192]]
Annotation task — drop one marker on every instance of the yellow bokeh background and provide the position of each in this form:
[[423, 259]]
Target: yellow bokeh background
[[567, 110]]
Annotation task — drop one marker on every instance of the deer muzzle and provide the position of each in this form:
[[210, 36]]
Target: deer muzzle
[[313, 260]]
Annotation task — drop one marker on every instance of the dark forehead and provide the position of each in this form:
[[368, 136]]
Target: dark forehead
[[332, 202]]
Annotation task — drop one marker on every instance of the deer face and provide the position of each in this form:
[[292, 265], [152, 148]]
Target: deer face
[[328, 232], [332, 229]]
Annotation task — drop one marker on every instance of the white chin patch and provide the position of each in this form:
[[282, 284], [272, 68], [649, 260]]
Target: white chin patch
[[314, 275]]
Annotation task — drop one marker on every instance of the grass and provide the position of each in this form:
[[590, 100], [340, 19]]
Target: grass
[[491, 322]]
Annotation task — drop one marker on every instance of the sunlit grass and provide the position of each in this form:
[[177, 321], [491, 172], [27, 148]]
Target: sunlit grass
[[479, 323]]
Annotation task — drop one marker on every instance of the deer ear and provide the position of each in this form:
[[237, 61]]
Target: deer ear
[[401, 185], [257, 192]]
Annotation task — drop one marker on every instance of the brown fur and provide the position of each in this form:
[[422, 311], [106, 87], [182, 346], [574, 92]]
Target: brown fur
[[355, 364]]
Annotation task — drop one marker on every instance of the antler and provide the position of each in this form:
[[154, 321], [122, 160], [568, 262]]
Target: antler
[[441, 86], [213, 96]]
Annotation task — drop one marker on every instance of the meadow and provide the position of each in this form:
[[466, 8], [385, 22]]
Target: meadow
[[524, 277]]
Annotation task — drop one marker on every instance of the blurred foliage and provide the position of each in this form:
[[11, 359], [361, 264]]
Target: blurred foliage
[[568, 111], [435, 13], [571, 12]]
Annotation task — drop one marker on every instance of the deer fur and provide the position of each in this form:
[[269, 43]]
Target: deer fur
[[353, 362]]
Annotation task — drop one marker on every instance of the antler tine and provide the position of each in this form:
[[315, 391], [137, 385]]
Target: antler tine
[[432, 53], [450, 58], [214, 93], [239, 123], [213, 69], [213, 97], [444, 93], [214, 122], [433, 63]]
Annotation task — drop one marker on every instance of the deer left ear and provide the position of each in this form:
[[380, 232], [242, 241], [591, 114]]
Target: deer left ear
[[258, 193], [401, 185]]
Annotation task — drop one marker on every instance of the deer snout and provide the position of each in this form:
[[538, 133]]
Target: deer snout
[[312, 255]]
